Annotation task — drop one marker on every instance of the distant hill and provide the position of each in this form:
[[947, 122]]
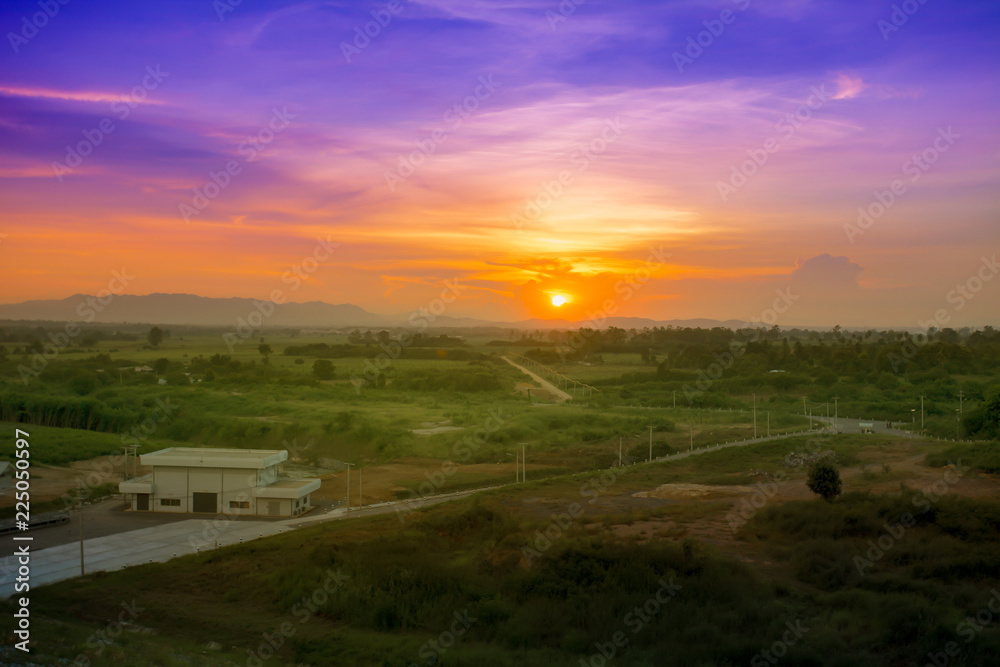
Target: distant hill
[[178, 309], [190, 309]]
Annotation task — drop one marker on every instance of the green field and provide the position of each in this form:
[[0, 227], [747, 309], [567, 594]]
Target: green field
[[399, 587], [791, 561]]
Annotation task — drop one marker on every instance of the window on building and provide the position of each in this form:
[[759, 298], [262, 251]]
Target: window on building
[[239, 504], [170, 502]]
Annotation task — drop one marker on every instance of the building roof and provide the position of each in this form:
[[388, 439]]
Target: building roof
[[206, 457], [292, 489]]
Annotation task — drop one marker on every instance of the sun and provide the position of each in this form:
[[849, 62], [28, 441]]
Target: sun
[[559, 300]]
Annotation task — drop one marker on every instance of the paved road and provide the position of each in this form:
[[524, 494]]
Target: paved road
[[556, 391], [181, 535], [174, 536], [843, 425], [850, 425]]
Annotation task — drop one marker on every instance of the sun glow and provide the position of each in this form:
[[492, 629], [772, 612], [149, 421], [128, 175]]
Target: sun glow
[[559, 300]]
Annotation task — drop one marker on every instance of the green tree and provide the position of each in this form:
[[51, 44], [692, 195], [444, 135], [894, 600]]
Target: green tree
[[265, 351], [155, 336], [824, 480], [323, 369], [161, 366]]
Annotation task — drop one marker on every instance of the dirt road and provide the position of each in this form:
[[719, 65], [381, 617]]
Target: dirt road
[[560, 395]]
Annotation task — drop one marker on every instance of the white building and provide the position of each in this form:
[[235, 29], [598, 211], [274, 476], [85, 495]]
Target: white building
[[216, 481]]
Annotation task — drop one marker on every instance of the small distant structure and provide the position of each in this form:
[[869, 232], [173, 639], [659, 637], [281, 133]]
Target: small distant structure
[[136, 369], [867, 427], [6, 477], [216, 481]]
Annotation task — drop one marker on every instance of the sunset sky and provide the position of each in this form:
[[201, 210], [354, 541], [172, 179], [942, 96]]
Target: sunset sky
[[419, 150]]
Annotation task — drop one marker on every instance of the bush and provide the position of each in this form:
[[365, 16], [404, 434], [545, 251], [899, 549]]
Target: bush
[[323, 369], [824, 480]]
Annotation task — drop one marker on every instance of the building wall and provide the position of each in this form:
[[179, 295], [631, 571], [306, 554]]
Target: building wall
[[264, 506], [175, 485], [234, 489], [171, 484]]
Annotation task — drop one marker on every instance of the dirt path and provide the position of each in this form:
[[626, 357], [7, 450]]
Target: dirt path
[[561, 396]]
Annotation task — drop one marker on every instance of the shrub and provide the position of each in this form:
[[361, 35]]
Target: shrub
[[824, 480]]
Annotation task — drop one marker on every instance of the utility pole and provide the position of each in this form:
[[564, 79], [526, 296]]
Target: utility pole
[[675, 398], [81, 541], [961, 396], [79, 500], [804, 411], [348, 487]]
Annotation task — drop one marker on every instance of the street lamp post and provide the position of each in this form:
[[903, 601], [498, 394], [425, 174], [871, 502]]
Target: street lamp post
[[348, 488]]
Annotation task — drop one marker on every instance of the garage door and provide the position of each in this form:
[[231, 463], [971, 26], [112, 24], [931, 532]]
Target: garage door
[[205, 502], [142, 502]]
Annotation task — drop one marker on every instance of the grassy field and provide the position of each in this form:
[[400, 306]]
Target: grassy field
[[516, 580]]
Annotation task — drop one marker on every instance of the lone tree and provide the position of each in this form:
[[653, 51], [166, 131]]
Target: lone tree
[[155, 336], [265, 351], [824, 480], [323, 369]]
